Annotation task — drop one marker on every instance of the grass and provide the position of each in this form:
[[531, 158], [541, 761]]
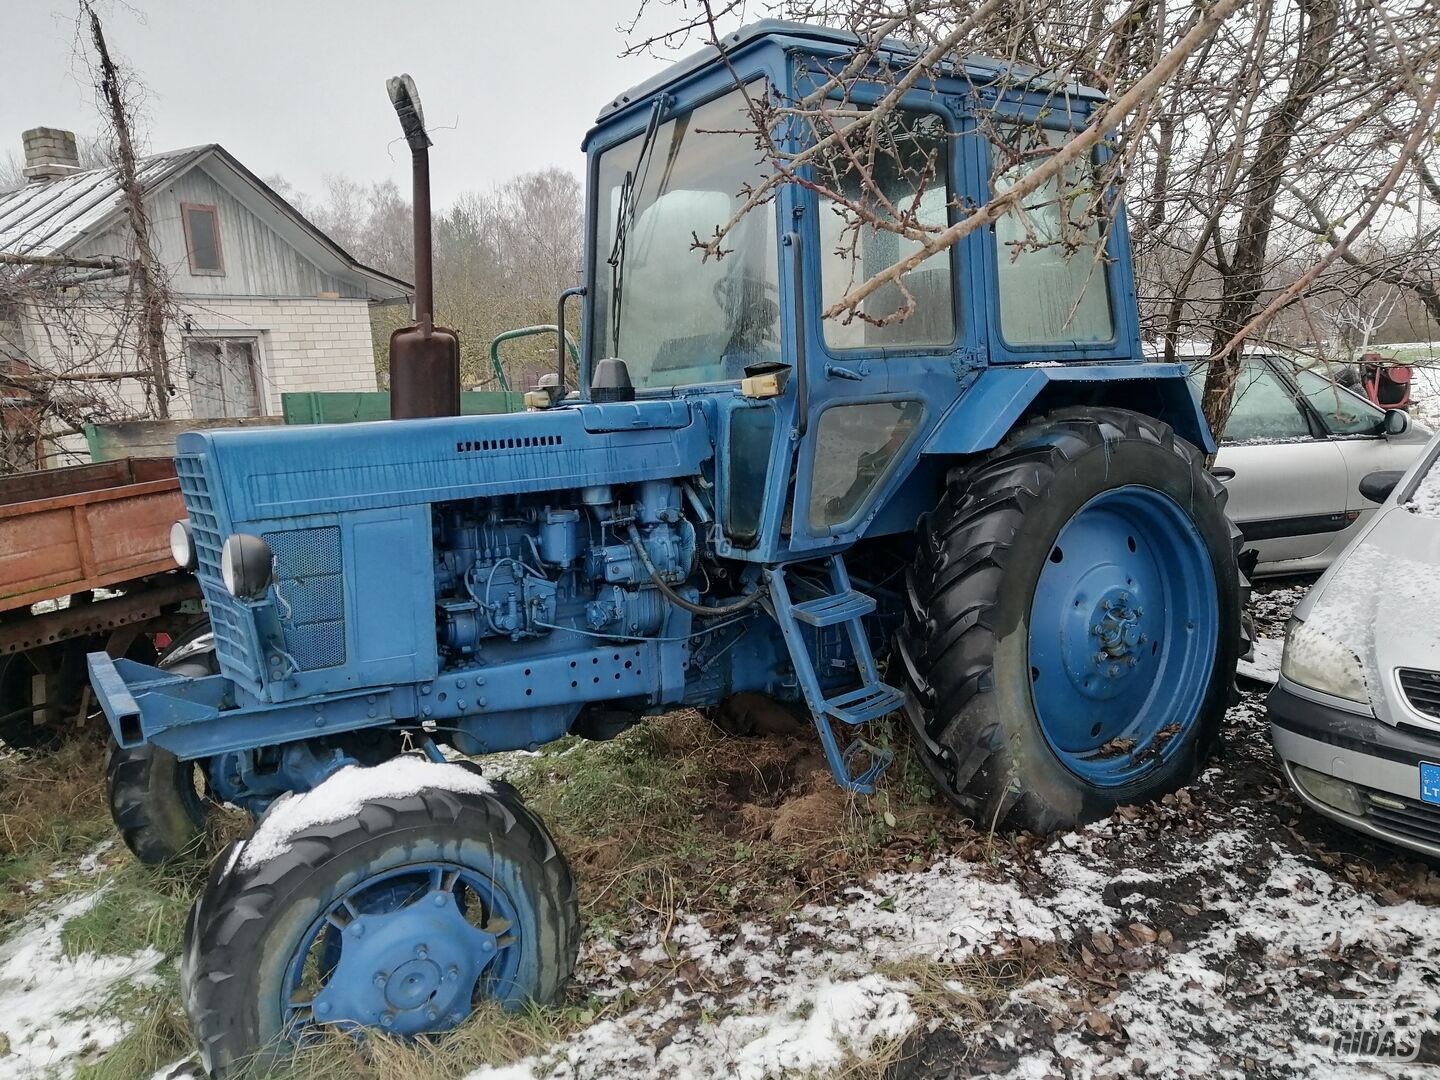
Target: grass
[[52, 811], [673, 816], [138, 906]]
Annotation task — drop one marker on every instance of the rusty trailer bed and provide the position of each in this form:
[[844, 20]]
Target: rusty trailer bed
[[65, 531]]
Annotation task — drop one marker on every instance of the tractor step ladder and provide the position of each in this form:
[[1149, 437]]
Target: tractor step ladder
[[842, 606]]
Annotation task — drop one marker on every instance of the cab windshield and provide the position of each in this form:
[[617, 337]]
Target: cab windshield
[[671, 315]]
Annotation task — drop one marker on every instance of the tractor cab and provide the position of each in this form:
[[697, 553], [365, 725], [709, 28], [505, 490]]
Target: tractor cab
[[860, 399]]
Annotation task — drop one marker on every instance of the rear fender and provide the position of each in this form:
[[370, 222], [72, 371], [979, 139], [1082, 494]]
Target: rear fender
[[1004, 396]]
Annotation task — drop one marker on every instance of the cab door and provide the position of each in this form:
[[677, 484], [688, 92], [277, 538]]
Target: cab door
[[875, 380], [1287, 482]]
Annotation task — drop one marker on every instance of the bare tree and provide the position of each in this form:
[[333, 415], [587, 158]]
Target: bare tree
[[501, 258], [77, 332], [1258, 144]]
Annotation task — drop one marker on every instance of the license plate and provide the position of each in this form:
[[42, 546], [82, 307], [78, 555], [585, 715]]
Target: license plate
[[1430, 783]]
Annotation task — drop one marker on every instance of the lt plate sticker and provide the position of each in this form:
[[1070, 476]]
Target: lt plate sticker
[[1429, 782]]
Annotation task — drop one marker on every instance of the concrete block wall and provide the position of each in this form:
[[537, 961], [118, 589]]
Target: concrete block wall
[[305, 344]]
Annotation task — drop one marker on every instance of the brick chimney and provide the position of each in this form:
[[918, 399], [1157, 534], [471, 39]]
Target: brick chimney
[[50, 154]]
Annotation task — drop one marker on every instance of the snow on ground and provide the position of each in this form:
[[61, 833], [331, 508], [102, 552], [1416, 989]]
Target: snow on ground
[[1219, 933], [1258, 980], [52, 1007], [1202, 937]]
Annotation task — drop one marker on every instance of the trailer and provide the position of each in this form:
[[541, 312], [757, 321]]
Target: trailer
[[85, 566]]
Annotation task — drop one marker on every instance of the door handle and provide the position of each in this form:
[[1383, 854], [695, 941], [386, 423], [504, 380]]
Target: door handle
[[1223, 474]]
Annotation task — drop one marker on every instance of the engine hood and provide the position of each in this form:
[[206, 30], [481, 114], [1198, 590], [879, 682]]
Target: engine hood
[[280, 472], [1381, 600]]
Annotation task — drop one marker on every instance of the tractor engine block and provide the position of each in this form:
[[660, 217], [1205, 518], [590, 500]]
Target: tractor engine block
[[522, 566]]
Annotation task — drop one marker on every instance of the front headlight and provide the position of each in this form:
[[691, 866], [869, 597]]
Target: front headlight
[[1315, 659], [182, 545], [246, 566]]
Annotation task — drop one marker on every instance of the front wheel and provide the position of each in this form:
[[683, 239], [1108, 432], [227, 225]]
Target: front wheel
[[396, 911], [1073, 622], [157, 801]]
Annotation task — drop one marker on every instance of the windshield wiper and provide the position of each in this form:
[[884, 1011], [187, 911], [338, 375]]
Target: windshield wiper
[[630, 189]]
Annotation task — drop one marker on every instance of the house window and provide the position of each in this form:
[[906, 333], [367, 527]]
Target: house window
[[224, 377], [202, 239]]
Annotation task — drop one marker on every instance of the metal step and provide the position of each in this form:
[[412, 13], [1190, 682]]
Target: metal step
[[833, 609], [865, 704]]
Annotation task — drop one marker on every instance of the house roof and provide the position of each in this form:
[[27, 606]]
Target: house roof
[[50, 218]]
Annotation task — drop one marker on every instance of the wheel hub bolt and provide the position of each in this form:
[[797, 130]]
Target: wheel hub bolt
[[452, 972], [388, 1020], [432, 1014], [379, 978], [439, 900], [1114, 669], [487, 945], [421, 951]]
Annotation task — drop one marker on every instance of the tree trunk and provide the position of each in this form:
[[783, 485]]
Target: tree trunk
[[144, 274], [1244, 274]]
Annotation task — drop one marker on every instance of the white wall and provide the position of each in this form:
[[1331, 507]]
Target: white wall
[[305, 345]]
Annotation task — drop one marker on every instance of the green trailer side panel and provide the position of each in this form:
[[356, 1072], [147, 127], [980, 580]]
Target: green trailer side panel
[[333, 407]]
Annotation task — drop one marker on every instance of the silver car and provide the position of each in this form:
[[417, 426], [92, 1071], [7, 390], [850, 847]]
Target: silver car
[[1292, 457], [1355, 716]]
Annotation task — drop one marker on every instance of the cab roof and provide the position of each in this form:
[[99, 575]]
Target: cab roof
[[979, 69]]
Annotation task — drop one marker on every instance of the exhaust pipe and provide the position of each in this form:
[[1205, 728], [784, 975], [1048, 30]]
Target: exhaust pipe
[[424, 358]]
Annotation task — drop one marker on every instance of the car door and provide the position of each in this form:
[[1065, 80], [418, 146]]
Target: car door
[[1287, 483], [1357, 429]]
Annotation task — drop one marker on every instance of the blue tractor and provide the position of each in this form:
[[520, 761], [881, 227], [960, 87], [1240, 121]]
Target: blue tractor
[[992, 518]]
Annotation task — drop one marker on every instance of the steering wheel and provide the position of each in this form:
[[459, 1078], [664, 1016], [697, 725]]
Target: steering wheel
[[722, 291]]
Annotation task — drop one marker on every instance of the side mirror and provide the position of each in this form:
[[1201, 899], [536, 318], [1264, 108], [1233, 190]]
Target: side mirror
[[1378, 485], [1397, 422]]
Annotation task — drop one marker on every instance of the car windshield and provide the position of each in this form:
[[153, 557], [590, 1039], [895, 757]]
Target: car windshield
[[673, 316], [1426, 497]]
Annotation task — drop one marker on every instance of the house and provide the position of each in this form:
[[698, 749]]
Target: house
[[260, 300]]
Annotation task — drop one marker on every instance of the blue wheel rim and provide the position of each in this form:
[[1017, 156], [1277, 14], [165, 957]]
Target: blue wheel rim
[[1123, 629], [408, 951]]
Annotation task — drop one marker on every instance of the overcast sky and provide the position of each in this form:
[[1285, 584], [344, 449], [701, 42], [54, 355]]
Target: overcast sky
[[297, 87]]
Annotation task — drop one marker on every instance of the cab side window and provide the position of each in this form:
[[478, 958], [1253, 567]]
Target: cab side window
[[1342, 412], [911, 173], [1264, 409]]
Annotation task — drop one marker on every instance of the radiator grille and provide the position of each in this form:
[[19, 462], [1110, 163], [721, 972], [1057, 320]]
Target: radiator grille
[[230, 622], [1422, 690], [311, 599], [1409, 818]]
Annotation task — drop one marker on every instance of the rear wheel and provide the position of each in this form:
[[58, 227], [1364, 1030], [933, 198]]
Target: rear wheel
[[156, 800], [1073, 622], [401, 916]]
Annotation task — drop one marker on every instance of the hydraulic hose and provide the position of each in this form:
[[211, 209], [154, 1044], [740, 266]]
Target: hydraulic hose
[[678, 600]]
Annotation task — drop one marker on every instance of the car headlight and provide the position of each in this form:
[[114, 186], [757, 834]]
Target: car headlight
[[246, 566], [182, 545], [1315, 659]]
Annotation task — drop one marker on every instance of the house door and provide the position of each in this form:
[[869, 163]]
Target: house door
[[224, 377]]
